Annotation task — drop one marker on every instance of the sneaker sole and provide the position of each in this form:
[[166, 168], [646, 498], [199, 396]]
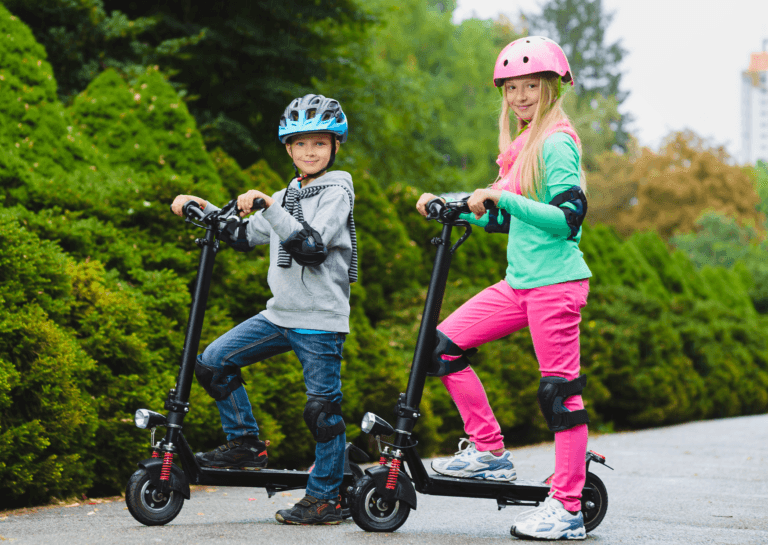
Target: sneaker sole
[[572, 536], [221, 465], [283, 520]]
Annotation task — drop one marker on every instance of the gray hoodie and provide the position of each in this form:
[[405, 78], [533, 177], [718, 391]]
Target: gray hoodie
[[310, 297]]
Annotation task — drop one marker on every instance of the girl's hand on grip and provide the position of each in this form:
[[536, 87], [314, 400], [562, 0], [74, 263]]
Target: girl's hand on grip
[[476, 201], [421, 204]]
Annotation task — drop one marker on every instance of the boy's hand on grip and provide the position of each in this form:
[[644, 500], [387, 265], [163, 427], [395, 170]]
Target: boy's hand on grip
[[249, 202]]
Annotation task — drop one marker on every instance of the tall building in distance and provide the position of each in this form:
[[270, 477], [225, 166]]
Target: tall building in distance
[[754, 108]]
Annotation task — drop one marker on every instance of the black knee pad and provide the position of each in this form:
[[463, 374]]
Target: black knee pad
[[317, 408], [553, 391], [446, 347], [217, 382]]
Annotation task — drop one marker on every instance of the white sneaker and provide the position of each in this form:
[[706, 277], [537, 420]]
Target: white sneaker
[[550, 520], [470, 463], [440, 463]]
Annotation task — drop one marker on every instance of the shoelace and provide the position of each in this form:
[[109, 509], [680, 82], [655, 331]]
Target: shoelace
[[547, 508], [465, 445]]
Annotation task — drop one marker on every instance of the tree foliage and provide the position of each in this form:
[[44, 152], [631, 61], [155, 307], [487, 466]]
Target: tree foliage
[[220, 54]]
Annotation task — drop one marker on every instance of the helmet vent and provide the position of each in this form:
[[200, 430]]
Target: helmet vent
[[525, 59], [506, 62], [294, 115], [311, 113]]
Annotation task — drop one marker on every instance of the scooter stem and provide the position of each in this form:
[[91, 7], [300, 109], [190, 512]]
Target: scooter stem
[[196, 315], [425, 342]]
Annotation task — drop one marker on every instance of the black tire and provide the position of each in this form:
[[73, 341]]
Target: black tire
[[346, 494], [594, 502], [374, 514], [145, 506]]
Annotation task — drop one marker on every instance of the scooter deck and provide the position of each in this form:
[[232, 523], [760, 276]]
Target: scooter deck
[[274, 479], [523, 490]]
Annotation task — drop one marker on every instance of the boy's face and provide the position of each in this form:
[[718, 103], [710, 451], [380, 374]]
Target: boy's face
[[311, 152]]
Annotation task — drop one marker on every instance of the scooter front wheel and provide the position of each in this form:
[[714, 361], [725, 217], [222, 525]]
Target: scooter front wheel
[[147, 505], [373, 513]]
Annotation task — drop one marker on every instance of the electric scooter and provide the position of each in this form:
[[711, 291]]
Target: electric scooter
[[383, 498], [156, 492]]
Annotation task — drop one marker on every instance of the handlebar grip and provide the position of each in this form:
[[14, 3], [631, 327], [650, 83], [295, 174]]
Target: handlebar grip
[[433, 208], [191, 209], [258, 204], [489, 204]]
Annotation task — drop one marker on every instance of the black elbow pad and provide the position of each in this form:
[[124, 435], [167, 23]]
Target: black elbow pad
[[306, 246], [575, 196]]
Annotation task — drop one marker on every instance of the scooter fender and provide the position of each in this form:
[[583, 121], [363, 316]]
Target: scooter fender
[[404, 490], [178, 481]]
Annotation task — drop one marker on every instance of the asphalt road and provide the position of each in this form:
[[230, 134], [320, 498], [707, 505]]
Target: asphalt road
[[703, 482]]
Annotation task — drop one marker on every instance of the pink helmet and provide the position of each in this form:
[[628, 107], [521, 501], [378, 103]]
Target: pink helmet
[[531, 55]]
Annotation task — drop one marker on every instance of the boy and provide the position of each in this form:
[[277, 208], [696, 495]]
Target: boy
[[313, 259]]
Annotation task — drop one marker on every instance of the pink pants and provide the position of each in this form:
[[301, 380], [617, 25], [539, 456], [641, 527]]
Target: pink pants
[[553, 314]]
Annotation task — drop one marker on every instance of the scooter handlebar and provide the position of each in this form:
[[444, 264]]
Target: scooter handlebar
[[439, 209]]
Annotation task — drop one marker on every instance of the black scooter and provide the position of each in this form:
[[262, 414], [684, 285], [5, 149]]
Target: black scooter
[[156, 491], [384, 496]]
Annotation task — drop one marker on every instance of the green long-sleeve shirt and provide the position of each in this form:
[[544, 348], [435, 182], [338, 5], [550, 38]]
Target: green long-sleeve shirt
[[538, 252]]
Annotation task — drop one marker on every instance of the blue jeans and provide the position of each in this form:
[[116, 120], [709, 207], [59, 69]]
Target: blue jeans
[[257, 339]]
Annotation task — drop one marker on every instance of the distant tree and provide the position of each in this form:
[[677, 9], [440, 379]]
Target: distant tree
[[760, 177], [668, 191], [579, 26], [721, 241]]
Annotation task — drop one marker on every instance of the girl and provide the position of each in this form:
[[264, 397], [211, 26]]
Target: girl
[[545, 287]]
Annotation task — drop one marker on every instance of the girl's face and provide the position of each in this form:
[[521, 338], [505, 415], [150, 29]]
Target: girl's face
[[522, 95], [311, 152]]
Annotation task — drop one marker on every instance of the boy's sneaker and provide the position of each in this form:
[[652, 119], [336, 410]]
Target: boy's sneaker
[[245, 452], [310, 510], [470, 463], [549, 521]]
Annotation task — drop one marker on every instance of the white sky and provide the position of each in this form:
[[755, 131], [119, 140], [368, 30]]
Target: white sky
[[683, 63]]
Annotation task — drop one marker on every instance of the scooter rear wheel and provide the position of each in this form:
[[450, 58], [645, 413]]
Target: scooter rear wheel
[[594, 502], [373, 513], [146, 505]]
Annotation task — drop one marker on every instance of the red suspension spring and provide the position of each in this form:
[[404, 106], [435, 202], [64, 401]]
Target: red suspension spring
[[165, 472], [394, 469], [383, 460], [155, 454]]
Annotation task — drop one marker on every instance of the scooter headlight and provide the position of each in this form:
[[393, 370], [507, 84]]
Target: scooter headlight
[[375, 425], [145, 418]]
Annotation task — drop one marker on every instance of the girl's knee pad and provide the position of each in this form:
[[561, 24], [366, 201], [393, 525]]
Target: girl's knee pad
[[552, 393], [455, 358]]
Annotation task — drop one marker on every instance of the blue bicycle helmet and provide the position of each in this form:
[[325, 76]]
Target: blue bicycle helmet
[[313, 113]]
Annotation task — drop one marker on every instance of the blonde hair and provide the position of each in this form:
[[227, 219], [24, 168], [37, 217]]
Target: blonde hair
[[529, 165]]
